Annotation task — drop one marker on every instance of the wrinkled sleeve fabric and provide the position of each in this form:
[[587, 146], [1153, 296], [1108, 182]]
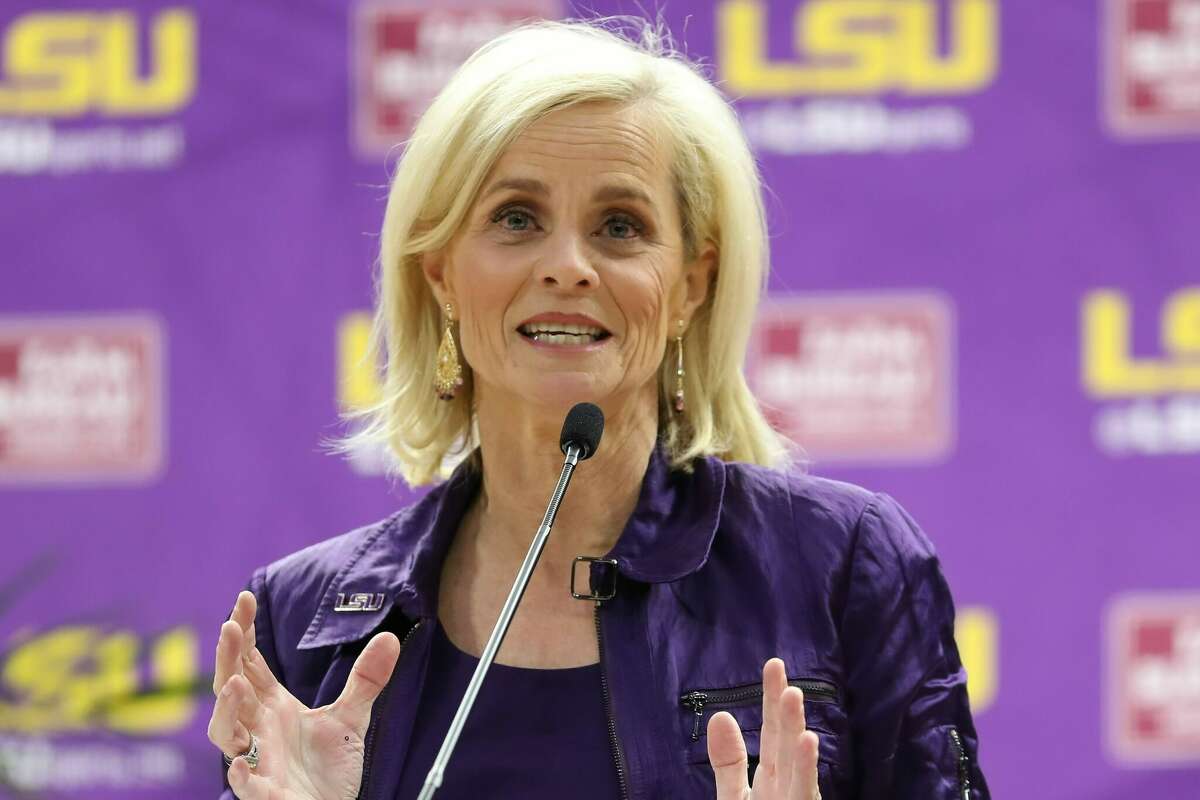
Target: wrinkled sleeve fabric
[[264, 638], [906, 689]]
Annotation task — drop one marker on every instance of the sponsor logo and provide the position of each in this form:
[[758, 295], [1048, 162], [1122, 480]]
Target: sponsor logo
[[405, 52], [80, 679], [359, 387], [1154, 678], [64, 66], [856, 377], [1152, 66], [80, 399], [976, 632], [1151, 403], [826, 98]]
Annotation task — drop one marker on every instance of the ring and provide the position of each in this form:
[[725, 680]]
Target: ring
[[251, 754]]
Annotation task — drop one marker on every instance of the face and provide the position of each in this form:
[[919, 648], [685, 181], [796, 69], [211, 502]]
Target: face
[[569, 276]]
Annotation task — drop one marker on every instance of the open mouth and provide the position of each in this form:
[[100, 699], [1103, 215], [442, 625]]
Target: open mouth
[[562, 333]]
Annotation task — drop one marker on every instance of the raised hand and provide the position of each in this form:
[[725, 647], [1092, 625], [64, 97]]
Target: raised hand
[[304, 753], [787, 758]]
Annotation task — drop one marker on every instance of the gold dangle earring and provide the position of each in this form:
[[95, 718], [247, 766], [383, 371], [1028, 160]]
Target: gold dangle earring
[[679, 404], [448, 377]]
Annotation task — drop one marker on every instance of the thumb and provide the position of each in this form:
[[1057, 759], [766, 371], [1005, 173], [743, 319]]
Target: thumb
[[370, 673], [727, 754]]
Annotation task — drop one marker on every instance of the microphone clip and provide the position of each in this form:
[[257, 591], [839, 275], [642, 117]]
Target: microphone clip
[[602, 578]]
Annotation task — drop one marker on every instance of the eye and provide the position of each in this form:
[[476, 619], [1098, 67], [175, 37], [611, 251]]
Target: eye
[[622, 226], [514, 218]]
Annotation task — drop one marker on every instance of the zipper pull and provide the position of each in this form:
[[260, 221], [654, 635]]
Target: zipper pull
[[695, 701], [964, 764]]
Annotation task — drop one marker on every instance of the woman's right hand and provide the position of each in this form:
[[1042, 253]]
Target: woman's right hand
[[304, 753]]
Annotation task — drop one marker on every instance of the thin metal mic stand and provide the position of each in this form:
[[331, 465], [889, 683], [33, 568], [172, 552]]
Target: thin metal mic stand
[[434, 779]]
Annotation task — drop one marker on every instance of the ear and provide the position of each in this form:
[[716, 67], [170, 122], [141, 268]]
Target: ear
[[698, 276], [434, 267]]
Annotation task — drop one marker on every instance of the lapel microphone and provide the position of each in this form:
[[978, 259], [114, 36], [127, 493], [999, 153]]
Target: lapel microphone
[[578, 441]]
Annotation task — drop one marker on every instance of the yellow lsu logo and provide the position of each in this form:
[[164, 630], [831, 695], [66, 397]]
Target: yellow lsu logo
[[1109, 367], [977, 634], [358, 384], [860, 47], [79, 678], [65, 64]]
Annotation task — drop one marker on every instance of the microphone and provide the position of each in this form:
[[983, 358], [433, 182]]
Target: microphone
[[579, 439], [583, 427]]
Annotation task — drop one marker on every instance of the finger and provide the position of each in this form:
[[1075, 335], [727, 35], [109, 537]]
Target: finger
[[727, 754], [371, 672], [249, 706], [245, 784], [774, 682], [225, 730], [228, 661], [790, 730], [244, 610], [258, 671], [804, 768]]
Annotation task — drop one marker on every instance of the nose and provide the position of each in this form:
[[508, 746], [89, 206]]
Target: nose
[[566, 264]]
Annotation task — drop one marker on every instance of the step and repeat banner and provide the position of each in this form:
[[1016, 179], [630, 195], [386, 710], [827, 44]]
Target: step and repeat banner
[[985, 301]]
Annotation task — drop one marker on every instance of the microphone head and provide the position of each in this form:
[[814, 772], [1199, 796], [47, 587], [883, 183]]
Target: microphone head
[[582, 428]]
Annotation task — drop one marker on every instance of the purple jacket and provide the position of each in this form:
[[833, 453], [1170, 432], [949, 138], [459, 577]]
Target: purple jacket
[[717, 571]]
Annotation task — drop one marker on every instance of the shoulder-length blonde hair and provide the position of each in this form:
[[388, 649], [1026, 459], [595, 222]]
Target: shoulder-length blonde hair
[[505, 86]]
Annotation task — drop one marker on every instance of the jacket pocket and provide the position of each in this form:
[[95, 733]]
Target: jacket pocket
[[823, 715], [822, 711], [702, 702]]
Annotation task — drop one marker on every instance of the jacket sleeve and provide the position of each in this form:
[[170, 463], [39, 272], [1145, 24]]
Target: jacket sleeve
[[906, 688], [264, 638]]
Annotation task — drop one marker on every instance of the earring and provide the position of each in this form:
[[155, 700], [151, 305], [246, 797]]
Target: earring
[[448, 377], [679, 404]]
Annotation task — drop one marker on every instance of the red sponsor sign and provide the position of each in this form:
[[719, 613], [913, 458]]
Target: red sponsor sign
[[1154, 678], [80, 398], [1153, 66], [859, 378], [406, 51]]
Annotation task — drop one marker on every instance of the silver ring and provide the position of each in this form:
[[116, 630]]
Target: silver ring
[[251, 754]]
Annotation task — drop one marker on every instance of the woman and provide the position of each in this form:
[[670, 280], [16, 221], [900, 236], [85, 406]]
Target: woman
[[578, 218]]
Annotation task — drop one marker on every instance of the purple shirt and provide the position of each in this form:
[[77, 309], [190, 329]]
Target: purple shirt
[[517, 720]]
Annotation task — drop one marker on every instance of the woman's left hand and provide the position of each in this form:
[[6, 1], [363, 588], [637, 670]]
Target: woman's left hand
[[787, 757]]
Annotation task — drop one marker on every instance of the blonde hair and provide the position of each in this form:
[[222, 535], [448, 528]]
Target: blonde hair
[[506, 85]]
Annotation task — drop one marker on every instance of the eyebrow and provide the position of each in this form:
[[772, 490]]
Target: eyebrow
[[605, 194]]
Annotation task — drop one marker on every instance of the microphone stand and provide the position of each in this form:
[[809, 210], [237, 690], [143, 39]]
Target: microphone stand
[[434, 779]]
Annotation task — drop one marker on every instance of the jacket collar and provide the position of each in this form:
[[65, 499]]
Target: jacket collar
[[667, 537]]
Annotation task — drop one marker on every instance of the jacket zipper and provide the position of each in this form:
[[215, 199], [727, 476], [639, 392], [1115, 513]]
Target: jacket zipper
[[369, 739], [964, 764], [618, 756], [696, 702]]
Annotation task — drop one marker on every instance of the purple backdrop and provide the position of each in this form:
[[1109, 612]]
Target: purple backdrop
[[985, 300]]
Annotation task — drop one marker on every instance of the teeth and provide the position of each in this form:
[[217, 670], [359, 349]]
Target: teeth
[[563, 338], [563, 328], [552, 331]]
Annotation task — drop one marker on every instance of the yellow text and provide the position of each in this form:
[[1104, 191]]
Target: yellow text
[[78, 678], [66, 64], [1109, 367], [859, 47], [977, 634], [358, 382]]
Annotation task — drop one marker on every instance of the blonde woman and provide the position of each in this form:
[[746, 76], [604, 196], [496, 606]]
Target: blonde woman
[[577, 217]]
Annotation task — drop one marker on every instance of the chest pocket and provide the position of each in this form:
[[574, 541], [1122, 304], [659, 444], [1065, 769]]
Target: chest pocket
[[823, 715]]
